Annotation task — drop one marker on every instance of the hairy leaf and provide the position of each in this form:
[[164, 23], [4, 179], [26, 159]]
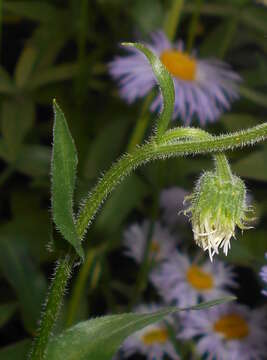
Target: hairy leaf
[[64, 164], [98, 339]]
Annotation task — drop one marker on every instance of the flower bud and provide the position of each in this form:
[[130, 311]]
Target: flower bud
[[217, 207]]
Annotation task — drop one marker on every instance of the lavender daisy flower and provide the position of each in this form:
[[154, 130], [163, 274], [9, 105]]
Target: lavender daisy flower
[[171, 202], [227, 332], [204, 88], [185, 283], [263, 275], [152, 341], [162, 243]]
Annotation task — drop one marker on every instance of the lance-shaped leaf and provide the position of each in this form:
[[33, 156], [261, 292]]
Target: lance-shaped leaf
[[165, 83], [100, 338], [64, 164]]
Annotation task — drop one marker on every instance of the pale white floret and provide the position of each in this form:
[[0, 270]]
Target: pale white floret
[[211, 237]]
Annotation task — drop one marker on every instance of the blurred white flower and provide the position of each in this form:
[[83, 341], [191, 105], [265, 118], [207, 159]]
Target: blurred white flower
[[184, 283], [162, 242], [171, 202], [227, 332], [153, 341]]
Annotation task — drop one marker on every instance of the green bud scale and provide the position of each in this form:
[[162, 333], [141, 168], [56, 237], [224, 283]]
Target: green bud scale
[[217, 207]]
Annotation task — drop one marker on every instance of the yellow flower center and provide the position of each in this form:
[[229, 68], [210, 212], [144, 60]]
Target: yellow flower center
[[232, 326], [199, 279], [159, 336], [179, 64]]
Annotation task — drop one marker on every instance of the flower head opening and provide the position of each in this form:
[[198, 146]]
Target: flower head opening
[[217, 207], [204, 88]]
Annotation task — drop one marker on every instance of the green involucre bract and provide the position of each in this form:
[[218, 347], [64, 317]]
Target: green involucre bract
[[217, 207]]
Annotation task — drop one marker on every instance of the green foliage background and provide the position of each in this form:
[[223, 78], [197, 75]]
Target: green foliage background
[[60, 49]]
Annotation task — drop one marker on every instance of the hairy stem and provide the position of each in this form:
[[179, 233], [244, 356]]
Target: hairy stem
[[52, 307], [169, 146], [170, 27], [222, 165], [152, 151]]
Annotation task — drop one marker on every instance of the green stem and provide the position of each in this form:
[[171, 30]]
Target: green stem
[[141, 125], [170, 27], [52, 307], [80, 284], [152, 151], [172, 18], [129, 162], [230, 32], [223, 167], [221, 161], [141, 281], [193, 25]]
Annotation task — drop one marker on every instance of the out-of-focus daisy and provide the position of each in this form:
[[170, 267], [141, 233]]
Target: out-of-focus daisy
[[227, 332], [152, 341], [204, 88], [171, 201], [184, 283], [263, 275], [162, 243]]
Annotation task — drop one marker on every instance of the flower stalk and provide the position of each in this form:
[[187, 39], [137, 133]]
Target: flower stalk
[[153, 151], [170, 145], [52, 306], [163, 144]]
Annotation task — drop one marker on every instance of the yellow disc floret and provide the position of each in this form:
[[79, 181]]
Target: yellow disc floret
[[232, 326], [199, 279], [153, 336], [179, 64]]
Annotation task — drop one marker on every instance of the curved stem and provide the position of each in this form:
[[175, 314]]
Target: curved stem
[[170, 27], [148, 152], [152, 151], [222, 165]]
